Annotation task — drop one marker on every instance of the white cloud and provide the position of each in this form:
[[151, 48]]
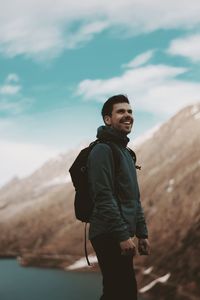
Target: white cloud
[[139, 60], [9, 89], [85, 33], [12, 100], [41, 29], [15, 107], [188, 46], [12, 77], [9, 86], [153, 88], [22, 159]]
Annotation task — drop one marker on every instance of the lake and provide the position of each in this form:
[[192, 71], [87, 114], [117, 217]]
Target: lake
[[19, 283]]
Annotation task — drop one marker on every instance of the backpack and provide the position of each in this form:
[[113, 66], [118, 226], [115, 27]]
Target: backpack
[[83, 204]]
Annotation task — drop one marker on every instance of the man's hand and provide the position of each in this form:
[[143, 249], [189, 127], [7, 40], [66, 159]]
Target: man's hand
[[128, 247], [143, 247]]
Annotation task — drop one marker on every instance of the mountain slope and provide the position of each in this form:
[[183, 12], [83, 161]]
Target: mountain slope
[[170, 191]]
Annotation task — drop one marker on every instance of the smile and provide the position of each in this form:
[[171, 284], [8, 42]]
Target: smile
[[127, 123]]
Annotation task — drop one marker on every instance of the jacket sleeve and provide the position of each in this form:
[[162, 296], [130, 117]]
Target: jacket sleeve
[[101, 185], [141, 228]]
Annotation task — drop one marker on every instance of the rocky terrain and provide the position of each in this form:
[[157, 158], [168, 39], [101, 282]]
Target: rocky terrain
[[170, 191], [38, 226]]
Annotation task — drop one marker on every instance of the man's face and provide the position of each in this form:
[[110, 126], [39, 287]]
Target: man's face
[[121, 118]]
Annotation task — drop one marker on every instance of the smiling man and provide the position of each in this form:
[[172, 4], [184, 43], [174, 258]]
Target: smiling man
[[117, 216]]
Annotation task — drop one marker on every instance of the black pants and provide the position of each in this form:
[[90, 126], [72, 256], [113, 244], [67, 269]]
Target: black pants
[[119, 281]]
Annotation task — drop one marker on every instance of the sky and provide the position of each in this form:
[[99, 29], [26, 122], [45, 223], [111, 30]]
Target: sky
[[59, 61]]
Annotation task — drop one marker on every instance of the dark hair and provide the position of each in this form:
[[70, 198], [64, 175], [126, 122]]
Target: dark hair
[[108, 105]]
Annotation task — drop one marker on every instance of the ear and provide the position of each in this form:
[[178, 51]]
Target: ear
[[107, 120]]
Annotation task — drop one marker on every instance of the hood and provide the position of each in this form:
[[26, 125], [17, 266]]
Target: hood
[[106, 133]]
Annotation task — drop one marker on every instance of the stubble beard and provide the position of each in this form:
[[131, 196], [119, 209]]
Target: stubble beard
[[124, 131]]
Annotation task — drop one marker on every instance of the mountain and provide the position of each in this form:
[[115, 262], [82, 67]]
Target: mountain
[[37, 220], [36, 213], [169, 182]]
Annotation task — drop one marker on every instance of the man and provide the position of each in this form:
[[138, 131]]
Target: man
[[117, 215]]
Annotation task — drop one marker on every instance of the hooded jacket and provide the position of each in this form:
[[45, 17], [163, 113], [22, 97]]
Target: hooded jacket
[[108, 188]]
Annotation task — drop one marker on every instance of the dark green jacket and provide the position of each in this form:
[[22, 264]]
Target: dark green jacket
[[107, 185]]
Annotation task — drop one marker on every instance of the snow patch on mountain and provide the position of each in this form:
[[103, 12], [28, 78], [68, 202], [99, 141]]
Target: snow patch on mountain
[[82, 263], [195, 111], [148, 271], [162, 279]]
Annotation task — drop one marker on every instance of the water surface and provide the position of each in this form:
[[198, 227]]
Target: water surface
[[19, 283]]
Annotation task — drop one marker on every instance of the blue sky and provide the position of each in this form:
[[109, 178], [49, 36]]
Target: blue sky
[[59, 63]]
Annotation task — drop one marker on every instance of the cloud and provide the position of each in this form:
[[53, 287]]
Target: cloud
[[140, 59], [188, 46], [9, 86], [12, 101], [12, 77], [85, 33], [9, 89], [21, 159], [41, 29], [154, 88], [15, 107]]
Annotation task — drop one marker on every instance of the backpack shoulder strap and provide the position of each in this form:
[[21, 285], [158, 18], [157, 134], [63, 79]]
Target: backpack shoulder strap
[[133, 155]]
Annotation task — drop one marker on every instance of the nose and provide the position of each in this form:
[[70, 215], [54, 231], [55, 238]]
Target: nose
[[129, 114]]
